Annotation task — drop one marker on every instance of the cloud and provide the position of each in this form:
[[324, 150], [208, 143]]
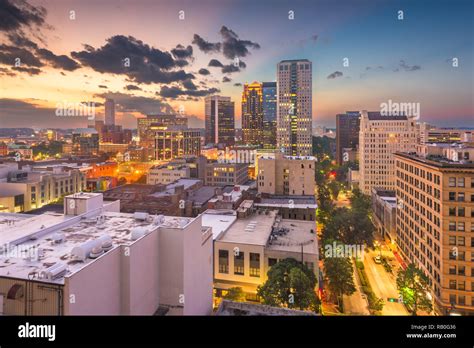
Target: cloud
[[215, 63], [174, 92], [29, 71], [206, 46], [6, 72], [102, 86], [233, 47], [18, 14], [181, 52], [407, 67], [231, 68], [334, 75], [59, 62], [130, 103], [226, 79], [189, 85], [204, 71], [9, 55], [132, 88], [146, 64], [237, 84]]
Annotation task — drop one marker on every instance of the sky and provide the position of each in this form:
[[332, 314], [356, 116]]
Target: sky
[[363, 53]]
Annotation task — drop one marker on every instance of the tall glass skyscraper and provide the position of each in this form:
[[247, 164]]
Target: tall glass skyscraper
[[220, 123], [269, 105]]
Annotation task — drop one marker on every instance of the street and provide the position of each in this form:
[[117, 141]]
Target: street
[[356, 304], [383, 283]]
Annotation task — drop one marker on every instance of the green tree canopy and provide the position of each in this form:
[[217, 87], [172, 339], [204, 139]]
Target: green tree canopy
[[235, 294], [413, 287], [338, 273], [290, 284]]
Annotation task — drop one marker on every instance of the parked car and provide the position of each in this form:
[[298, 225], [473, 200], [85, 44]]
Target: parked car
[[378, 259]]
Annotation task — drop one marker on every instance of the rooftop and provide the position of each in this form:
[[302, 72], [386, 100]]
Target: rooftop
[[50, 238], [219, 219], [232, 308], [301, 202], [435, 162]]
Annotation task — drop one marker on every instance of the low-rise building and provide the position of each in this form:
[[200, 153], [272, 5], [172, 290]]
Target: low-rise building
[[384, 206], [224, 174], [290, 207], [93, 260], [246, 247]]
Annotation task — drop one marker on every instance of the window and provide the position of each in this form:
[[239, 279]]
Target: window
[[461, 226], [461, 211], [452, 299], [452, 196], [460, 196], [452, 211], [452, 240], [239, 263], [452, 284], [254, 265], [452, 270], [462, 270], [460, 182], [452, 226], [462, 300], [223, 261], [271, 261], [452, 182]]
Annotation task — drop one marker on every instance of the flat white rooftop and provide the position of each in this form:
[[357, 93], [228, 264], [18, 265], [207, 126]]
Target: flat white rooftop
[[219, 220], [25, 236]]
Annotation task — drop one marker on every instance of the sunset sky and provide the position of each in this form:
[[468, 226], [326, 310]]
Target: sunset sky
[[177, 62]]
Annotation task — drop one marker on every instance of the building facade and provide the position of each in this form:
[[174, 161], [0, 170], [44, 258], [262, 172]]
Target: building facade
[[85, 142], [347, 134], [286, 175], [294, 107], [223, 174], [219, 120], [109, 112], [435, 226], [379, 138], [269, 104], [252, 114]]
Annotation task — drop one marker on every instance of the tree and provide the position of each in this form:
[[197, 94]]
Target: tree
[[290, 284], [235, 294], [349, 227], [413, 287], [339, 276], [325, 205], [360, 203], [334, 187]]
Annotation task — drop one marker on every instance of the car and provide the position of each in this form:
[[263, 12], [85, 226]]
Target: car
[[378, 259]]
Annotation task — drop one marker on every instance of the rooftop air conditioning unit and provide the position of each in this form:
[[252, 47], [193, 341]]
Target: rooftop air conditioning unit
[[55, 271], [140, 216]]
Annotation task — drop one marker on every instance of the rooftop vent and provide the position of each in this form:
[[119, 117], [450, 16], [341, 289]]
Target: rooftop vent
[[140, 216], [96, 252], [57, 238], [55, 271]]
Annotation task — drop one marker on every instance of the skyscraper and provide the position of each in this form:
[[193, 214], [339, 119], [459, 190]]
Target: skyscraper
[[294, 107], [269, 103], [379, 138], [252, 114], [220, 122], [109, 112], [347, 133]]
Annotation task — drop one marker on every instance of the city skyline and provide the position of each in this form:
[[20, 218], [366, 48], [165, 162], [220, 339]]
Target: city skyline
[[59, 62]]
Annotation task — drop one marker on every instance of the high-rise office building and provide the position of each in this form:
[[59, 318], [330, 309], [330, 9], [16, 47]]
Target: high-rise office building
[[252, 113], [220, 121], [294, 107], [109, 112], [85, 142], [144, 123], [379, 138], [269, 105], [435, 225], [347, 134]]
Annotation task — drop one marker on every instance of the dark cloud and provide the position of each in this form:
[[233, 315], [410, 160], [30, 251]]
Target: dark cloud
[[147, 64], [9, 55], [130, 103], [132, 88], [189, 85], [233, 47], [6, 72], [206, 46], [204, 71], [175, 92], [29, 71], [181, 52], [237, 84], [102, 86], [407, 67], [226, 79], [59, 62], [334, 75], [215, 63], [231, 68], [17, 14]]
